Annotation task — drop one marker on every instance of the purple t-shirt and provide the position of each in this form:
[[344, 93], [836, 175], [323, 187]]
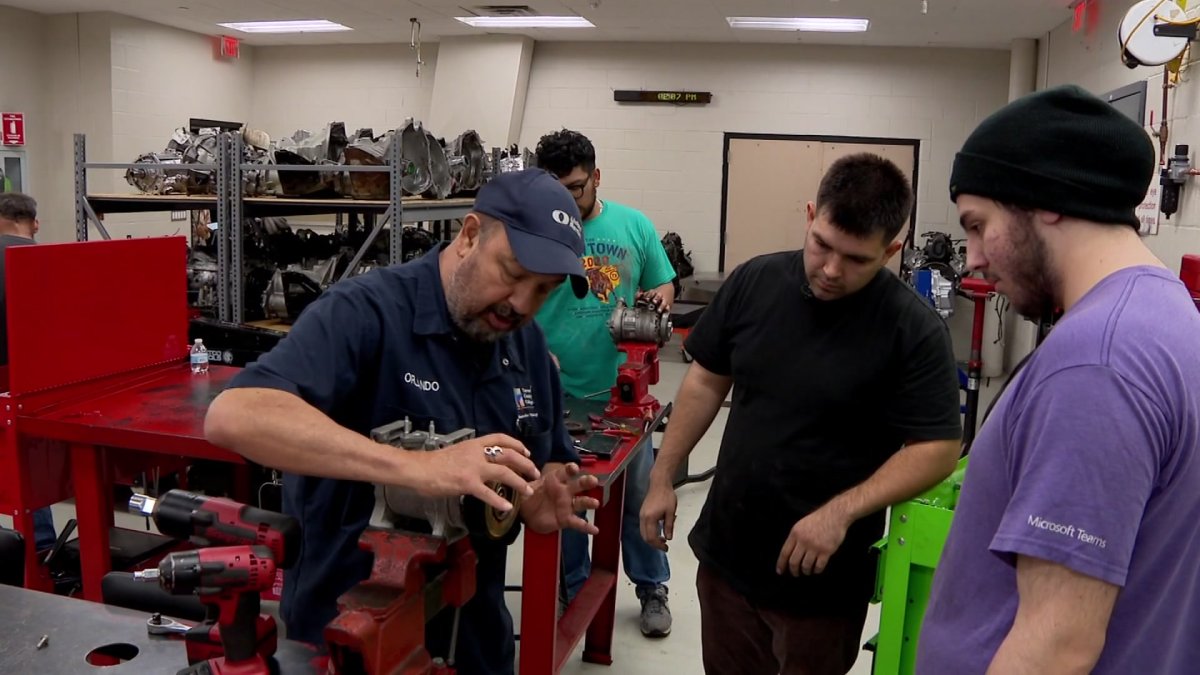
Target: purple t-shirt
[[1089, 460]]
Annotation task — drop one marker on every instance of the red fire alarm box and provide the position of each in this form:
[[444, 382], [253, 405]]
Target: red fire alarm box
[[13, 132]]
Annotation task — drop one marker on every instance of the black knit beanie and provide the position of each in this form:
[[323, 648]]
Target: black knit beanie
[[1061, 150]]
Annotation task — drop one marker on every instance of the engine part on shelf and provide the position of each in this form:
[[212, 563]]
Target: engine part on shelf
[[368, 151], [305, 148], [157, 181], [325, 146], [257, 139], [197, 148], [257, 182], [415, 242], [416, 172], [274, 253], [439, 168], [514, 159], [290, 292], [315, 184], [186, 147], [202, 280], [429, 167], [466, 159]]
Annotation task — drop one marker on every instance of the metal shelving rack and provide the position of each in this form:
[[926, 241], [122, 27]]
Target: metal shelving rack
[[231, 207]]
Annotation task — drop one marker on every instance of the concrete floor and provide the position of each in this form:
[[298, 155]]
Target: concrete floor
[[633, 654]]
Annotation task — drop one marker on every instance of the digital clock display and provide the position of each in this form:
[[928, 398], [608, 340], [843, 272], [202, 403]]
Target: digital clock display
[[658, 96]]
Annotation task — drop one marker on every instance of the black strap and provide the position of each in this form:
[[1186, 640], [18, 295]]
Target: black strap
[[996, 399]]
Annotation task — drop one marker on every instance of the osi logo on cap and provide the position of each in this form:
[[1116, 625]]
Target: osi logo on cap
[[563, 218]]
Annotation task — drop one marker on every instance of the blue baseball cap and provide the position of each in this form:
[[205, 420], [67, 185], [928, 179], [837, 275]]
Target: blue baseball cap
[[542, 222]]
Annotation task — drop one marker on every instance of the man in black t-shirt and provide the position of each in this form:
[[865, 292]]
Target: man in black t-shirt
[[846, 401]]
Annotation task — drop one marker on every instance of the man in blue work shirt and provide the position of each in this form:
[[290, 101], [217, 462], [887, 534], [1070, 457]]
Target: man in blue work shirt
[[447, 339]]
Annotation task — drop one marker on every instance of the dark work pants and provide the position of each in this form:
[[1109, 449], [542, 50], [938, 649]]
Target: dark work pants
[[739, 638]]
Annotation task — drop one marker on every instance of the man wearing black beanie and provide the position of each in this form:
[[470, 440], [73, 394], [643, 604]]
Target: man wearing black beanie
[[1073, 546]]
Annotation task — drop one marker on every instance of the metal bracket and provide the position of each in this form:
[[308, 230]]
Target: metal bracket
[[95, 219], [362, 250]]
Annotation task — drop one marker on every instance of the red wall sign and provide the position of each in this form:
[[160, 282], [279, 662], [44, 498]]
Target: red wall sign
[[13, 132], [230, 47]]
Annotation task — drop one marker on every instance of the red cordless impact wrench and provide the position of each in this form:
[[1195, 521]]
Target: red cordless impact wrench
[[234, 638]]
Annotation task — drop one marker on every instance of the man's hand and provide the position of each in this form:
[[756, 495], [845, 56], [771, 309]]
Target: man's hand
[[554, 358], [556, 501], [658, 511], [465, 469], [654, 297], [812, 541]]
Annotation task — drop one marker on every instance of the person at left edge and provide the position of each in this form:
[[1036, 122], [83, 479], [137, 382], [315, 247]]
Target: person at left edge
[[449, 339], [19, 225]]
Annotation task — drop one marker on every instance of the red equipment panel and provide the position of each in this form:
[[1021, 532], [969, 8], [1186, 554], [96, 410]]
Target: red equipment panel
[[89, 309]]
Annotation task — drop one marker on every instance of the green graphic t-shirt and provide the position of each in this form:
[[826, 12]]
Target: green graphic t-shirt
[[621, 254]]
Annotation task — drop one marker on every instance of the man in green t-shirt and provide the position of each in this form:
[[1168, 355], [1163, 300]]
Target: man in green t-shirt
[[623, 258]]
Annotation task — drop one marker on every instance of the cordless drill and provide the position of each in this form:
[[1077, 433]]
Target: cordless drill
[[228, 580], [234, 638], [211, 521]]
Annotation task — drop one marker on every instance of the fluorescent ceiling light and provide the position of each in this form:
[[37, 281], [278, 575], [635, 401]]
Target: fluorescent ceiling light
[[827, 24], [526, 21], [303, 26]]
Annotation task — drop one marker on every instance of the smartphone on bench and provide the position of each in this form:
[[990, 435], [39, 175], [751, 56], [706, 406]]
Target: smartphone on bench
[[600, 445]]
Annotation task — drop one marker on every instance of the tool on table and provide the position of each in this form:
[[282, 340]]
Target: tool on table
[[235, 637], [210, 521], [157, 625]]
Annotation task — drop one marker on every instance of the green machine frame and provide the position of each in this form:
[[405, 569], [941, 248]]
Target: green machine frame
[[909, 554]]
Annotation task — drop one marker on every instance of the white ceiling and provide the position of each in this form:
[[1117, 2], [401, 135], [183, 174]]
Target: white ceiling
[[964, 23]]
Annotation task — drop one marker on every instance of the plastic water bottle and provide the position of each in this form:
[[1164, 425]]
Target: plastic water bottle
[[199, 357]]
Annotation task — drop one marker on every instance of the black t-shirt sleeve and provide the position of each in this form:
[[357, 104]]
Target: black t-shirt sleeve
[[709, 341], [335, 340], [925, 406]]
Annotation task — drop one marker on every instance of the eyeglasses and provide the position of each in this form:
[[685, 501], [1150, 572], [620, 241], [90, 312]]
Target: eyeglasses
[[577, 190]]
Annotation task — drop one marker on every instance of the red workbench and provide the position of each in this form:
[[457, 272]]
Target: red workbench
[[98, 364], [547, 640], [98, 347]]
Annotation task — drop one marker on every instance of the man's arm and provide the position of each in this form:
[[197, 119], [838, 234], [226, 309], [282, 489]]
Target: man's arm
[[278, 429], [700, 397], [911, 471], [663, 296], [1062, 619], [914, 469]]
